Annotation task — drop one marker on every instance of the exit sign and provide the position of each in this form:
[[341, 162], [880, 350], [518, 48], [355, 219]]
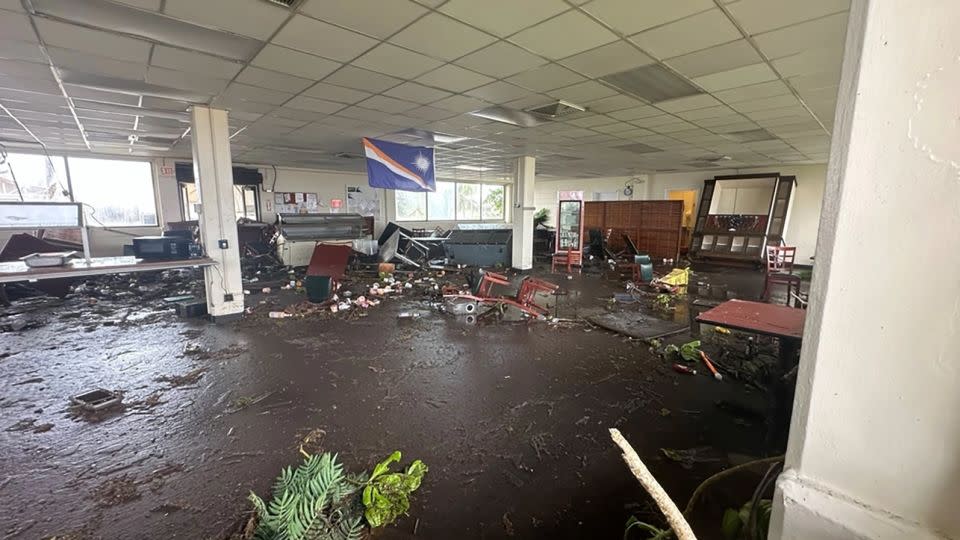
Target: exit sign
[[166, 170]]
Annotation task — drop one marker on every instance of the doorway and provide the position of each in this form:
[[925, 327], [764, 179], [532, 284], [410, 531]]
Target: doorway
[[689, 198]]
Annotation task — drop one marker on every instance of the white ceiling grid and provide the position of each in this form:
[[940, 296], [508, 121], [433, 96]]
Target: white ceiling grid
[[306, 83]]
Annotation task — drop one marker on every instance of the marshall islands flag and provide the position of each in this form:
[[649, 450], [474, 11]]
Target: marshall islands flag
[[398, 166]]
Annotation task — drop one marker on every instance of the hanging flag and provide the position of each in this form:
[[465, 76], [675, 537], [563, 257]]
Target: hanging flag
[[398, 166]]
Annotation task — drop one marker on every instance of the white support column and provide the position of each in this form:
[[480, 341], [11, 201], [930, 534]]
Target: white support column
[[523, 210], [213, 171], [874, 447]]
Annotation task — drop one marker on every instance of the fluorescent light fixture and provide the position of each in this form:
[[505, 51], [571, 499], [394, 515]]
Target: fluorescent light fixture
[[510, 116], [132, 110], [442, 138], [128, 86], [474, 168], [148, 25], [239, 131]]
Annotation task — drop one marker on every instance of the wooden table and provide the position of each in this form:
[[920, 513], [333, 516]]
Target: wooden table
[[782, 322], [19, 271]]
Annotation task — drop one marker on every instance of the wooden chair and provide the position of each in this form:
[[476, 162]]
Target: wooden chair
[[780, 271], [567, 258]]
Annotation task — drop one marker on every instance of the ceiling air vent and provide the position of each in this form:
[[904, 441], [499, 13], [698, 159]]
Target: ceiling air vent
[[653, 83], [750, 135], [638, 148], [556, 109]]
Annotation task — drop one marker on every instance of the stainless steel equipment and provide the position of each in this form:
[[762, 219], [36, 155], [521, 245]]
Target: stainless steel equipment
[[313, 227]]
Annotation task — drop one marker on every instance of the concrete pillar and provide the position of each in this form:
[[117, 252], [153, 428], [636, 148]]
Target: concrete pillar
[[213, 170], [874, 447], [523, 210]]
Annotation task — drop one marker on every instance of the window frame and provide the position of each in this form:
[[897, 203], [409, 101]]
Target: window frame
[[456, 205]]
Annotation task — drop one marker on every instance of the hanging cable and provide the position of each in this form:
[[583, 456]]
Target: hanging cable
[[13, 176]]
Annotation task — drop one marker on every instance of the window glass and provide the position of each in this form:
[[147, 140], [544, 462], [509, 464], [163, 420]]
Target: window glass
[[115, 193], [32, 177], [411, 205], [493, 201], [468, 201], [190, 198], [442, 202], [245, 201]]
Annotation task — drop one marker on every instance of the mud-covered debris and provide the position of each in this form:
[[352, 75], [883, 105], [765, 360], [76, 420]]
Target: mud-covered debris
[[30, 424], [312, 441], [190, 377], [32, 380], [507, 524], [116, 491]]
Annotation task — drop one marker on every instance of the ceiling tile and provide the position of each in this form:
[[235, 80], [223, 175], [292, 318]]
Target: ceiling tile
[[829, 32], [416, 93], [172, 78], [612, 58], [819, 60], [374, 17], [756, 16], [742, 76], [254, 19], [339, 94], [583, 92], [273, 80], [81, 39], [700, 31], [15, 26], [313, 104], [754, 91], [774, 102], [814, 81], [635, 113], [706, 112], [499, 92], [688, 103], [387, 104], [89, 63], [392, 60], [564, 35], [151, 5], [293, 62], [502, 17], [362, 79], [317, 37], [628, 17], [431, 113], [253, 93], [460, 104], [613, 103], [21, 50], [454, 78], [715, 59], [194, 62], [546, 78], [441, 37], [500, 60]]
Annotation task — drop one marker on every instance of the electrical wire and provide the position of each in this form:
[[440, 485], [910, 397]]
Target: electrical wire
[[13, 176], [275, 176]]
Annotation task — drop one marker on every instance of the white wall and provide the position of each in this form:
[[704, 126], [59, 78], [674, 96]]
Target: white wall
[[545, 195]]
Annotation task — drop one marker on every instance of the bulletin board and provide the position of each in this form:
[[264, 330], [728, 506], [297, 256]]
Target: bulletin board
[[295, 202], [363, 200]]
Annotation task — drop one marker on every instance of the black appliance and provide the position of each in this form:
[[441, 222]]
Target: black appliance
[[165, 248]]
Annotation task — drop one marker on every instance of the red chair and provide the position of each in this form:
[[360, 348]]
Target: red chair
[[780, 272], [529, 288], [568, 258]]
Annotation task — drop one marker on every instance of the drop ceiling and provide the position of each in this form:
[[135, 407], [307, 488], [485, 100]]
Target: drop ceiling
[[666, 84]]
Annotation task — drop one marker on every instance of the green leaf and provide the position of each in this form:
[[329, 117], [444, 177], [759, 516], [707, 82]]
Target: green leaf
[[690, 351], [384, 465], [731, 525]]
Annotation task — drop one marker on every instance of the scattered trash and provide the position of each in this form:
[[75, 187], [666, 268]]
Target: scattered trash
[[409, 315], [679, 368], [688, 457], [280, 315], [709, 364], [721, 330]]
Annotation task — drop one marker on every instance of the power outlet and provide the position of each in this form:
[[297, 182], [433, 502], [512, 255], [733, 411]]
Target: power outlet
[[223, 244], [228, 297]]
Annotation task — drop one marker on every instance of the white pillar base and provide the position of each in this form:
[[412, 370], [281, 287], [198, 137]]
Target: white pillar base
[[815, 512]]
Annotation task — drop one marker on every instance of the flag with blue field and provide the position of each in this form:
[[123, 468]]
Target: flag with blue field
[[398, 166]]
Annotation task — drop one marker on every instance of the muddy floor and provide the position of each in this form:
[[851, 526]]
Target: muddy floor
[[511, 418]]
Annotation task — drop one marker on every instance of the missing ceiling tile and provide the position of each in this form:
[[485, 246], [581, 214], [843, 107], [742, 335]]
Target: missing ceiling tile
[[556, 109], [638, 148], [653, 83]]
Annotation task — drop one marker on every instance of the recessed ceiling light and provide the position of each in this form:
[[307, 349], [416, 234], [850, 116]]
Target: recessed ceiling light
[[471, 168]]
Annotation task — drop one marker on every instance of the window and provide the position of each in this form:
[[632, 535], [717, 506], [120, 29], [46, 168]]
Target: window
[[115, 193], [245, 201], [31, 177], [453, 201]]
